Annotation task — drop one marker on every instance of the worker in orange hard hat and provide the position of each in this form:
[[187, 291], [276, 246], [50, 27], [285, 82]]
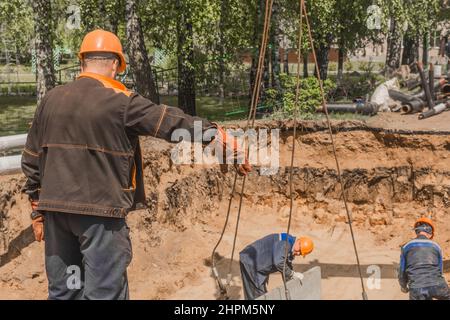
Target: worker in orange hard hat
[[85, 137], [421, 265], [102, 44], [266, 256]]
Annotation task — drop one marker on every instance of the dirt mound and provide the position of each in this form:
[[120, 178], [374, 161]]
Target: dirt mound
[[390, 179]]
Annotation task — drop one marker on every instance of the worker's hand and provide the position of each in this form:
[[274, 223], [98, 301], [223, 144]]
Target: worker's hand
[[231, 152], [298, 275], [38, 228], [34, 204], [243, 169], [405, 289]]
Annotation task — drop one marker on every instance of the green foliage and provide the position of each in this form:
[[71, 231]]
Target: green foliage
[[352, 87], [16, 27], [348, 66], [309, 95], [332, 66]]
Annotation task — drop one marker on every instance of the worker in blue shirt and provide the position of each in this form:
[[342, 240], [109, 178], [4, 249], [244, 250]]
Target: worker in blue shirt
[[421, 265], [266, 256]]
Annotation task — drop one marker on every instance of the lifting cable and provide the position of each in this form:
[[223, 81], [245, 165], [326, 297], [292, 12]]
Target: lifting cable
[[250, 121], [291, 192], [330, 130]]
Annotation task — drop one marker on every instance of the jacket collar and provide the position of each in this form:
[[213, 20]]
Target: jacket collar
[[110, 81]]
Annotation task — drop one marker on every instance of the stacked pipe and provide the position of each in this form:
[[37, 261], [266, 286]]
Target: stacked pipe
[[432, 98]]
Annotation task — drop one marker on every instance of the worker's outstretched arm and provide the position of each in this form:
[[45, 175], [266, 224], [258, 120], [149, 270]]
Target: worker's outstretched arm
[[402, 276], [143, 117]]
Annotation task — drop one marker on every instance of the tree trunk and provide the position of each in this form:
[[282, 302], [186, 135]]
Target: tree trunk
[[256, 42], [341, 57], [137, 53], [221, 48], [394, 47], [322, 59], [426, 48], [43, 28], [286, 60], [267, 64], [275, 34], [305, 64], [410, 51], [185, 54]]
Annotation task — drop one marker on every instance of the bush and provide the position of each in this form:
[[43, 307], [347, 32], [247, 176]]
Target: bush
[[348, 66], [352, 87], [309, 95], [332, 66]]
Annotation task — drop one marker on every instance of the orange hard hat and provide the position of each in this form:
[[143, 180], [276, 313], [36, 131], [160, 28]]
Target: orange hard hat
[[103, 41], [427, 221], [306, 246]]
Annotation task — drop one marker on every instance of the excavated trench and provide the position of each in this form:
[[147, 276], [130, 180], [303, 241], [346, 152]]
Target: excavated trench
[[390, 179]]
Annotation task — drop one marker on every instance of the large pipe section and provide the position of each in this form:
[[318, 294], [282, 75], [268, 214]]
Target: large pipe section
[[413, 106], [10, 164], [11, 142], [425, 85], [434, 111]]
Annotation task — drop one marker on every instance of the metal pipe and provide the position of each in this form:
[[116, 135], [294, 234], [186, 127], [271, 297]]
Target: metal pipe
[[10, 142], [413, 106], [400, 96], [425, 85], [434, 111], [10, 164], [446, 88], [368, 109], [438, 85], [412, 84], [345, 108]]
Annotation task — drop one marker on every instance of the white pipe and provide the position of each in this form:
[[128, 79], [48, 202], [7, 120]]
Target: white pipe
[[10, 164], [15, 141]]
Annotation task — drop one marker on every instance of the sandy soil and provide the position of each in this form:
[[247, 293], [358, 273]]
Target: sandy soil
[[398, 121], [392, 180]]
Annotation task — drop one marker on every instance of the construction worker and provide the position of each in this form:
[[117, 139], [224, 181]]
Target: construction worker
[[421, 265], [83, 163], [266, 256]]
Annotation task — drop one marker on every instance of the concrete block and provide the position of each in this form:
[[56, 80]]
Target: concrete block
[[307, 289]]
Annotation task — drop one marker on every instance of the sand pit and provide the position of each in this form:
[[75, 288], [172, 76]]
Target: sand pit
[[391, 179]]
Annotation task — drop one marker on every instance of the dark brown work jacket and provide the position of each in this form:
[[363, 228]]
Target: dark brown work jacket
[[82, 153]]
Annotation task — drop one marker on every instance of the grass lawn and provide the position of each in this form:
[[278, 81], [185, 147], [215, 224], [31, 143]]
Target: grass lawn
[[17, 112]]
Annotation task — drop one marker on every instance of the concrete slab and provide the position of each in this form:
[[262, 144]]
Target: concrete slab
[[307, 289]]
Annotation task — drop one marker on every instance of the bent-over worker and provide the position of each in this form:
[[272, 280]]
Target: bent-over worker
[[266, 256]]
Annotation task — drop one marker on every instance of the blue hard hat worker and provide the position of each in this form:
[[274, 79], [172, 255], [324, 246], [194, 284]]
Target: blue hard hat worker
[[266, 256], [421, 265]]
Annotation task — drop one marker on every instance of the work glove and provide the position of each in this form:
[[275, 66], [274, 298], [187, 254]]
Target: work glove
[[38, 227], [298, 275], [37, 221], [231, 152], [405, 289]]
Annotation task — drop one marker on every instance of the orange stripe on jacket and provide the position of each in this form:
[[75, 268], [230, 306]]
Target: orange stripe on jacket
[[107, 82]]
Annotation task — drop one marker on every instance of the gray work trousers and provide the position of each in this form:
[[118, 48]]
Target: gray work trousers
[[86, 257], [251, 289]]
